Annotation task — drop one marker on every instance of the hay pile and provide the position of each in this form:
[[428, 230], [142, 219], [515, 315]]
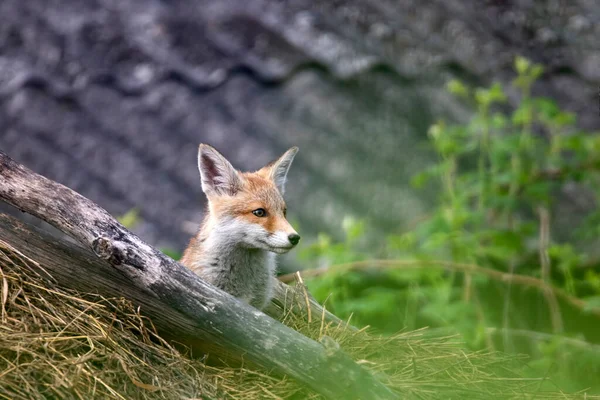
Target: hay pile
[[57, 344]]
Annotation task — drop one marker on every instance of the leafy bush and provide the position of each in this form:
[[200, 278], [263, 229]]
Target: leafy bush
[[489, 261]]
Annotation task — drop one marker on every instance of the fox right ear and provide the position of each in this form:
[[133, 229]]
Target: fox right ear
[[279, 168], [217, 174]]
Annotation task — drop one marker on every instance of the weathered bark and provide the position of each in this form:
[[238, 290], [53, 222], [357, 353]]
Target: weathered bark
[[217, 316], [71, 266]]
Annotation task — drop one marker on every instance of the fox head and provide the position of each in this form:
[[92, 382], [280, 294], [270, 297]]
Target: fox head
[[248, 207]]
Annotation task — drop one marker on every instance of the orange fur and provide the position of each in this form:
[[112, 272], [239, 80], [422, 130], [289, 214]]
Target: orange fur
[[257, 191], [231, 234]]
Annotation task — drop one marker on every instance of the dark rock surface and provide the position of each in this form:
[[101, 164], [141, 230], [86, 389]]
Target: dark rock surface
[[112, 97]]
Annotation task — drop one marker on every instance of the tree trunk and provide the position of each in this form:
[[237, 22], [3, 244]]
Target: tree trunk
[[172, 295]]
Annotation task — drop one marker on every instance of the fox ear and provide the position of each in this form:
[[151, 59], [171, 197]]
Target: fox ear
[[217, 174], [278, 169]]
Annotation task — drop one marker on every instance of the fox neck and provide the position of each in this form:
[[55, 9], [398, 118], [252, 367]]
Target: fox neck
[[220, 249], [224, 254]]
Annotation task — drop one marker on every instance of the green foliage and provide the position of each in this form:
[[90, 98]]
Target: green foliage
[[174, 254], [501, 176], [130, 219]]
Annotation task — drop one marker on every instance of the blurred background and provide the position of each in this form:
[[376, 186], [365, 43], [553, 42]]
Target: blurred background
[[453, 139]]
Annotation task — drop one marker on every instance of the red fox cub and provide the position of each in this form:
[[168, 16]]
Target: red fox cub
[[244, 227]]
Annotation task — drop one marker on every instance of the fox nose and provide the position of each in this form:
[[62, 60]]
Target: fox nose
[[294, 238]]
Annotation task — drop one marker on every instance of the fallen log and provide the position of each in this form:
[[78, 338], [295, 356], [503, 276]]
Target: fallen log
[[57, 259], [211, 315], [71, 266]]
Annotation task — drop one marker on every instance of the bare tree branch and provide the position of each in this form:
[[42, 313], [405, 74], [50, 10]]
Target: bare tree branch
[[522, 280]]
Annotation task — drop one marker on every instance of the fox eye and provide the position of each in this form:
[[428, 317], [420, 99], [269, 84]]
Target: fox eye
[[260, 212], [285, 212]]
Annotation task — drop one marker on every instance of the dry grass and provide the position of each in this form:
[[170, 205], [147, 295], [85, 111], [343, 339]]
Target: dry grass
[[57, 344]]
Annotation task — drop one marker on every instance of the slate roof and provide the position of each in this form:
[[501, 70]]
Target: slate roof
[[112, 97]]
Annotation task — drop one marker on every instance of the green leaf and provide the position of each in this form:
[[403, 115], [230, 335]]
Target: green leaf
[[499, 121], [496, 93], [522, 65], [507, 239], [402, 242], [130, 219], [536, 71], [353, 227], [421, 178], [482, 96], [565, 119], [435, 131], [523, 115], [174, 254], [457, 88], [546, 107], [539, 191], [572, 142]]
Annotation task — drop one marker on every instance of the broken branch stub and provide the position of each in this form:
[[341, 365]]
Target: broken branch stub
[[220, 318]]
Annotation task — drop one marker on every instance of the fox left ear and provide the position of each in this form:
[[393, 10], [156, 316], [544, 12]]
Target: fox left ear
[[278, 169], [217, 174]]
